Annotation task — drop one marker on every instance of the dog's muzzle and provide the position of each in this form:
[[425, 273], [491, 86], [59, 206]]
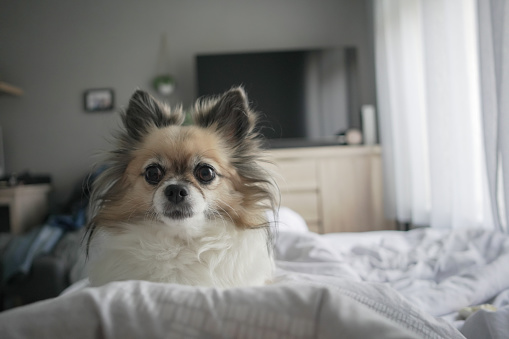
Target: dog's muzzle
[[178, 206]]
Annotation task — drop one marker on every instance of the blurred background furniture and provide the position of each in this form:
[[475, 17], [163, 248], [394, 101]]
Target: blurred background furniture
[[23, 207], [334, 188]]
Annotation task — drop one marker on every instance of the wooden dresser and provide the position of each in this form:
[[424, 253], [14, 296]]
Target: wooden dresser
[[334, 188], [26, 207]]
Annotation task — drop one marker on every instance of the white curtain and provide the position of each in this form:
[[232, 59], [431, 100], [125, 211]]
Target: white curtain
[[430, 113], [494, 60]]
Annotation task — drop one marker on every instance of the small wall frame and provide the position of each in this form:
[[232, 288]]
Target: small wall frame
[[99, 100]]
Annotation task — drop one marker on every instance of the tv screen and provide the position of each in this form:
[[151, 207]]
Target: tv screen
[[301, 94]]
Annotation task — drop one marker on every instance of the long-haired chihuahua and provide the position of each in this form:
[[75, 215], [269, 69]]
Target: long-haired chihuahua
[[183, 204]]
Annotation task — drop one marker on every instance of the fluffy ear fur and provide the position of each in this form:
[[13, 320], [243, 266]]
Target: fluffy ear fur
[[145, 112], [229, 115]]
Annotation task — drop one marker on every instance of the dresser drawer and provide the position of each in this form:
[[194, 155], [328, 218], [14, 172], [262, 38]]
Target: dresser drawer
[[334, 188], [315, 227], [304, 203], [296, 175]]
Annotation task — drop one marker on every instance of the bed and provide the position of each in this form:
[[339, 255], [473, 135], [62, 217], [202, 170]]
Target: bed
[[384, 284]]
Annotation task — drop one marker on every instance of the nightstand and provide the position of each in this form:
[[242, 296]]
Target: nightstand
[[23, 207]]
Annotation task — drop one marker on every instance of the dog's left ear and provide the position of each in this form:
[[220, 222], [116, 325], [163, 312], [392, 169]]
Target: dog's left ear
[[229, 115]]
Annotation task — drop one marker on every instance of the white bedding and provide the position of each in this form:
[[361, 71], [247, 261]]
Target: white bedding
[[137, 309], [358, 285], [438, 270]]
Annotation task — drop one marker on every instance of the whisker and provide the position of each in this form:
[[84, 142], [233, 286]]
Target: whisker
[[220, 216], [221, 201], [228, 214]]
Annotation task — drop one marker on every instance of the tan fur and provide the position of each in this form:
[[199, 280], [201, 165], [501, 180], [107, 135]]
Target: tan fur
[[179, 150]]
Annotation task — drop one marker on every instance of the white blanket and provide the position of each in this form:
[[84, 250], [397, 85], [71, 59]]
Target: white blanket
[[439, 271], [366, 285], [290, 309]]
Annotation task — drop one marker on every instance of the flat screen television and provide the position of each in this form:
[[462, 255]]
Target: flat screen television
[[302, 95]]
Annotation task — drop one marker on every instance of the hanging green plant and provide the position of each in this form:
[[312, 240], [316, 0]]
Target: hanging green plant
[[164, 84]]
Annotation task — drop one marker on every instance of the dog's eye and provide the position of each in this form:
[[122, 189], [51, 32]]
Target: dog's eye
[[154, 174], [205, 173]]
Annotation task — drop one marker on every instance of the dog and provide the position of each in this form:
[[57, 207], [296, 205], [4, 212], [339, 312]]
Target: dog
[[183, 204]]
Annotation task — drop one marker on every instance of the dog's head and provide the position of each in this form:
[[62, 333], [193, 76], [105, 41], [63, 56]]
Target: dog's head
[[184, 176]]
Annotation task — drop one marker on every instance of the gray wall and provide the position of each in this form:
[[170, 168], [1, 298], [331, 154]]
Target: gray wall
[[55, 50]]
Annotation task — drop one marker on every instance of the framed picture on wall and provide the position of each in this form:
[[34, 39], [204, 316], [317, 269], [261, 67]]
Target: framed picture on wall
[[97, 100]]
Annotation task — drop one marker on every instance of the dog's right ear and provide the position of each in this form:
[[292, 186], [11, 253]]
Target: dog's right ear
[[144, 112]]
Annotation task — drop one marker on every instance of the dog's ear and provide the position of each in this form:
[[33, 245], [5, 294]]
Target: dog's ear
[[229, 115], [145, 112]]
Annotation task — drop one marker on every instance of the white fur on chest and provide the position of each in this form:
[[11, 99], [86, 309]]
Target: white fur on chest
[[222, 256]]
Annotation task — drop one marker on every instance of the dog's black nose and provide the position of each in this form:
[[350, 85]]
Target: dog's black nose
[[175, 193]]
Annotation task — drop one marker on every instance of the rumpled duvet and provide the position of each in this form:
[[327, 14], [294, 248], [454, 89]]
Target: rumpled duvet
[[438, 271], [351, 285]]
